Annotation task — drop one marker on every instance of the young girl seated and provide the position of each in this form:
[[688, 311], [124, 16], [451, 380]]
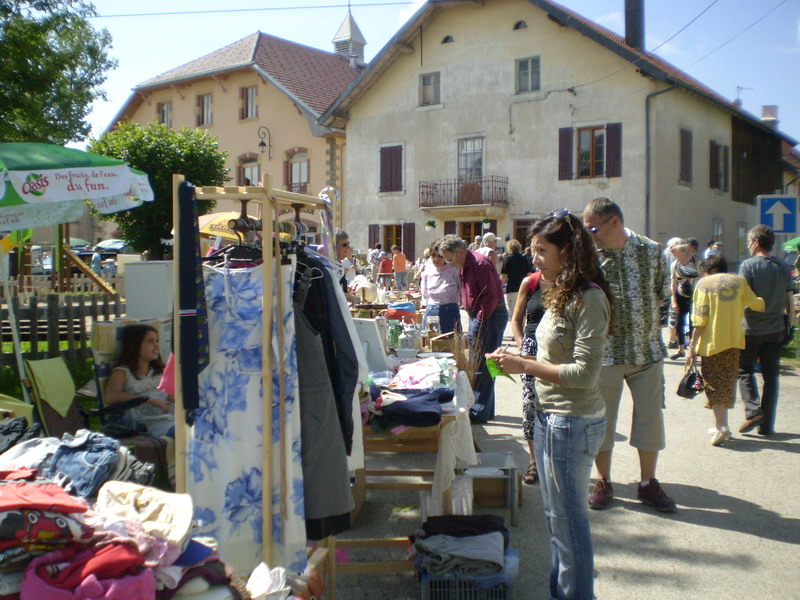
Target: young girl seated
[[137, 374]]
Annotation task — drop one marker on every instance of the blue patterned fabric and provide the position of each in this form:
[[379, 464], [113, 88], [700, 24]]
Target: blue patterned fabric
[[225, 446]]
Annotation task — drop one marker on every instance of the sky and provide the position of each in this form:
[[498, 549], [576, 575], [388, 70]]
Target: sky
[[744, 48]]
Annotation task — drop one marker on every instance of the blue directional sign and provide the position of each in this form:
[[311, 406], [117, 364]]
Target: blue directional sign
[[778, 212]]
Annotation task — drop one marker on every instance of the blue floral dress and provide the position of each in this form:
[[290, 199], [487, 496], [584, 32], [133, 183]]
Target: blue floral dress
[[225, 445]]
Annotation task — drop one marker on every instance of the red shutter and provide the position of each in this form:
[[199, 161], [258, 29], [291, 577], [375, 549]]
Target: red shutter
[[408, 240], [374, 235], [614, 150], [685, 174], [565, 153], [449, 227], [713, 165]]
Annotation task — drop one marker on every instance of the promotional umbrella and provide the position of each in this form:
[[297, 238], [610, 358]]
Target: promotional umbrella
[[44, 184], [793, 245], [214, 224]]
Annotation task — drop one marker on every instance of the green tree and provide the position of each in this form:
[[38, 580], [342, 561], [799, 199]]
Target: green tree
[[52, 65], [160, 152]]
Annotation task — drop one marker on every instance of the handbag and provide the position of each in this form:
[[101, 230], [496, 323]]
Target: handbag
[[692, 382]]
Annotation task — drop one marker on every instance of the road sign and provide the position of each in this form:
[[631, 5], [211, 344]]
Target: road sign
[[778, 212]]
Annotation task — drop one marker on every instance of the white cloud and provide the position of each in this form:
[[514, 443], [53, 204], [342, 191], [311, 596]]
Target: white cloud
[[407, 13], [614, 21]]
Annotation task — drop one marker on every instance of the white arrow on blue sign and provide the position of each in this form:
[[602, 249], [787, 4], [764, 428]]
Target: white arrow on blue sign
[[778, 212]]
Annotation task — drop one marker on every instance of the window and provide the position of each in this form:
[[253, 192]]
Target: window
[[597, 151], [685, 162], [470, 159], [393, 236], [391, 169], [248, 102], [250, 174], [528, 79], [203, 110], [429, 89], [718, 166], [164, 113], [296, 171]]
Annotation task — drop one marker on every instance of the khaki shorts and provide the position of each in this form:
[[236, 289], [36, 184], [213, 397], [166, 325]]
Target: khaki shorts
[[646, 383]]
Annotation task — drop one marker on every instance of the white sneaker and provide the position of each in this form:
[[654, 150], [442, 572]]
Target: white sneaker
[[721, 436]]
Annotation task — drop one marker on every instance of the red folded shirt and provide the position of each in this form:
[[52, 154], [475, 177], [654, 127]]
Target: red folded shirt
[[39, 496]]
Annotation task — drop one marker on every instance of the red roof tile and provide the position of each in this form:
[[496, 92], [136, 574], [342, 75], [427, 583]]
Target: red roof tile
[[314, 76]]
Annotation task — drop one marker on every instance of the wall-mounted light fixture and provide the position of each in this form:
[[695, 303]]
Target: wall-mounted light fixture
[[263, 133]]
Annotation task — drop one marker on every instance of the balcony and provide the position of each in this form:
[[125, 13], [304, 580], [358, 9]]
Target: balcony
[[492, 191]]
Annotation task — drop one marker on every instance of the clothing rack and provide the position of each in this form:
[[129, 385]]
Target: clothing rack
[[271, 200]]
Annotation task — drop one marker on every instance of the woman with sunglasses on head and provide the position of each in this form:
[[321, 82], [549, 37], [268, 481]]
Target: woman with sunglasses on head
[[440, 285], [570, 414]]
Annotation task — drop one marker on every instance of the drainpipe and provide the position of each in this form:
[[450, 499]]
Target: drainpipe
[[648, 152]]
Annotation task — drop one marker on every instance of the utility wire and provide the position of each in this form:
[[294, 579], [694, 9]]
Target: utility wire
[[241, 10], [634, 63], [754, 23]]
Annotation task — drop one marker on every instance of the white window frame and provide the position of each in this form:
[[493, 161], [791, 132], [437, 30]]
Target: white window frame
[[430, 81], [533, 77]]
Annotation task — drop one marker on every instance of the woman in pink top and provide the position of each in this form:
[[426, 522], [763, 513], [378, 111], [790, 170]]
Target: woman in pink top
[[440, 284]]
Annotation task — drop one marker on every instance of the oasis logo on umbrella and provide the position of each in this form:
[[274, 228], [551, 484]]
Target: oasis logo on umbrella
[[35, 184]]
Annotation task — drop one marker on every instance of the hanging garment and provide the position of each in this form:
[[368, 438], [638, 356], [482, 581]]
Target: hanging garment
[[321, 308], [326, 482], [225, 449]]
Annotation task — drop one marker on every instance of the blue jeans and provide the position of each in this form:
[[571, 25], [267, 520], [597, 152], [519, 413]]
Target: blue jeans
[[766, 349], [486, 336], [400, 280], [83, 464], [565, 449], [448, 314]]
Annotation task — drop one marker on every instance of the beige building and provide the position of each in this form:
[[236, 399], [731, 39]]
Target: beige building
[[261, 97], [504, 110]]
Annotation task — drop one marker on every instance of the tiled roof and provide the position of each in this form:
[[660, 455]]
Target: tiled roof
[[314, 76]]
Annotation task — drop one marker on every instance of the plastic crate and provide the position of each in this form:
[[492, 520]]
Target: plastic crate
[[450, 587], [461, 589]]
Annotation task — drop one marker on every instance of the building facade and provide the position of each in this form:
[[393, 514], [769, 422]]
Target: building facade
[[487, 116]]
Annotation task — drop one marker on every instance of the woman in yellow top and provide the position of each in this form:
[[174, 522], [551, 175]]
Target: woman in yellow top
[[718, 307]]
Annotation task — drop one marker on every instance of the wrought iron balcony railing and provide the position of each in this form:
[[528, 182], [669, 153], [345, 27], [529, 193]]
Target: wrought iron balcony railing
[[458, 192]]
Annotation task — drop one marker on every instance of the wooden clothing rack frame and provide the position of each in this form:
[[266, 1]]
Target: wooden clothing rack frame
[[271, 199]]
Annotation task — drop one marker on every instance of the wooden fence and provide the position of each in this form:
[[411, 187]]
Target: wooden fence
[[43, 285], [45, 323]]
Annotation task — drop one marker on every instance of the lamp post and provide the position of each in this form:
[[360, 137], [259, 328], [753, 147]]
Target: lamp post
[[264, 133]]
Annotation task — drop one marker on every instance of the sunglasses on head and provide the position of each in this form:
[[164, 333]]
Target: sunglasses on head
[[563, 213]]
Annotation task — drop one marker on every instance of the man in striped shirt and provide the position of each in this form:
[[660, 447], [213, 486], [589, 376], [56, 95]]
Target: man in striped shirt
[[635, 351]]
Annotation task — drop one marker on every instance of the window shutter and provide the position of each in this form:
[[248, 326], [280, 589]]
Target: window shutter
[[565, 153], [374, 235], [685, 167], [242, 103], [407, 242], [614, 150], [713, 165], [449, 227], [724, 175]]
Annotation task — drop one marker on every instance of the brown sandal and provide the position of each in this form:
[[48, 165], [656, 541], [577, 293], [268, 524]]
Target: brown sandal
[[531, 475]]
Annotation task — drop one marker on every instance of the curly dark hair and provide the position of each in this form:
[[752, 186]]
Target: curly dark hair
[[132, 338], [581, 266]]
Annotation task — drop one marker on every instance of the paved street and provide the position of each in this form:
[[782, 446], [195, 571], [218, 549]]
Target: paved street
[[736, 533]]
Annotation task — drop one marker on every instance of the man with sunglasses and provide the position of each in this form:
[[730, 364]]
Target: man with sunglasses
[[634, 354], [482, 298]]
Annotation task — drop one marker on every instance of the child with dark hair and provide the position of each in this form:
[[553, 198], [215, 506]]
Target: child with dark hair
[[137, 374]]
